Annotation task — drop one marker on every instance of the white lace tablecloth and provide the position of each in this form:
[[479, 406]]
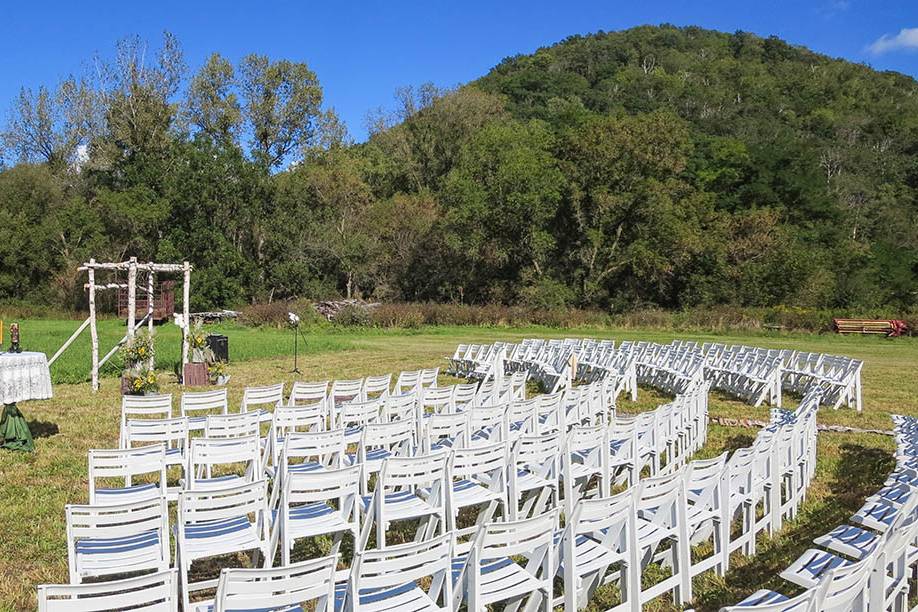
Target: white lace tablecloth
[[24, 376]]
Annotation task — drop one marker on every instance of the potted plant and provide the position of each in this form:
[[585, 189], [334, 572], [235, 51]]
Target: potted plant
[[138, 354], [216, 371]]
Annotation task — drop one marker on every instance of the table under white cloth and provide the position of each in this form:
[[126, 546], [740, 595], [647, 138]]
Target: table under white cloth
[[24, 376]]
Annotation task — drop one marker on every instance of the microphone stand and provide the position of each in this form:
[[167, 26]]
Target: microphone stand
[[296, 347]]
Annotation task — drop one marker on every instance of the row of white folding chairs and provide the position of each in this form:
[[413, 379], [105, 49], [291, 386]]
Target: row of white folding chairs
[[751, 373], [396, 421], [757, 375], [549, 365], [196, 405], [878, 545], [352, 415], [840, 376]]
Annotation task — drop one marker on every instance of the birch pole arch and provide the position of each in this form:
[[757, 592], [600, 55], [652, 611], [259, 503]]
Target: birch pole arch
[[131, 267]]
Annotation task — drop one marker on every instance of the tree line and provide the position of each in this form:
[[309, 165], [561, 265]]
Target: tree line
[[659, 166]]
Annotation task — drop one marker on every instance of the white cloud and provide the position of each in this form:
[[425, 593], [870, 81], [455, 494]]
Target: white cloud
[[907, 38]]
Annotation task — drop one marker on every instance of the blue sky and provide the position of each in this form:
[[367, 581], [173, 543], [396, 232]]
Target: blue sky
[[363, 51]]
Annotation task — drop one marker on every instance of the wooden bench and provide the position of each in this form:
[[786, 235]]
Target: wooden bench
[[888, 327]]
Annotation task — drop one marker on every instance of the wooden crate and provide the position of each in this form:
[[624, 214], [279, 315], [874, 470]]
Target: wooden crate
[[195, 375]]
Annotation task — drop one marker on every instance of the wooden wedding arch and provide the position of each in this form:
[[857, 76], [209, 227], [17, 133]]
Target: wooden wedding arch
[[132, 267]]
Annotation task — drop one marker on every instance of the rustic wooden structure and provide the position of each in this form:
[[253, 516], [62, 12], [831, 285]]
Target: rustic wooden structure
[[163, 301], [132, 267]]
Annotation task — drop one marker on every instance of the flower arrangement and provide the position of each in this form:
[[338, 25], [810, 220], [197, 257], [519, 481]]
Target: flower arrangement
[[138, 349], [197, 342], [142, 379], [216, 372]]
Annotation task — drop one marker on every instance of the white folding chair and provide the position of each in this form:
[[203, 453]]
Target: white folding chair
[[400, 407], [765, 600], [599, 544], [437, 400], [585, 459], [263, 400], [276, 589], [477, 477], [624, 465], [307, 452], [742, 502], [534, 475], [229, 455], [172, 433], [117, 539], [486, 424], [522, 419], [343, 392], [492, 573], [217, 522], [354, 416], [151, 593], [308, 393], [408, 488], [239, 425], [428, 377], [381, 441], [323, 502], [291, 419], [464, 396], [445, 431], [377, 386], [662, 518], [550, 411], [407, 382], [850, 541], [414, 576], [123, 465], [196, 405], [707, 492], [147, 406]]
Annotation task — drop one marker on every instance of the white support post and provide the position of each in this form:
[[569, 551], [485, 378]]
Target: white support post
[[150, 274], [93, 332], [132, 297], [186, 311], [70, 340]]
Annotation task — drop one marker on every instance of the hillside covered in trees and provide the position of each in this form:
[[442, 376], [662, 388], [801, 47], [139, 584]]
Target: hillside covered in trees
[[658, 165]]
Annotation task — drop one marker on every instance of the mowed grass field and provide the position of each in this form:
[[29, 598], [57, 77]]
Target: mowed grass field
[[34, 488]]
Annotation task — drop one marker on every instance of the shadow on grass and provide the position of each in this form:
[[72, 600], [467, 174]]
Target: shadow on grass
[[734, 443], [859, 472], [43, 429]]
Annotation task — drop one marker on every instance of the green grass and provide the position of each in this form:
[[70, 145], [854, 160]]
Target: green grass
[[34, 488], [246, 343]]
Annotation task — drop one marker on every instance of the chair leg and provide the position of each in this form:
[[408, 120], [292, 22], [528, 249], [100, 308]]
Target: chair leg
[[684, 566]]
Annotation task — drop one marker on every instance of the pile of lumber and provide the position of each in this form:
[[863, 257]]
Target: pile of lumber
[[330, 308], [886, 327], [214, 316]]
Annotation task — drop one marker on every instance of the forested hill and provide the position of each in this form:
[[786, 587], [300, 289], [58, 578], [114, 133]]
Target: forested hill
[[658, 165]]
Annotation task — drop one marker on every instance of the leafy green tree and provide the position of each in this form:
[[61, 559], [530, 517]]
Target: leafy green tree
[[212, 105], [500, 200], [282, 107]]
